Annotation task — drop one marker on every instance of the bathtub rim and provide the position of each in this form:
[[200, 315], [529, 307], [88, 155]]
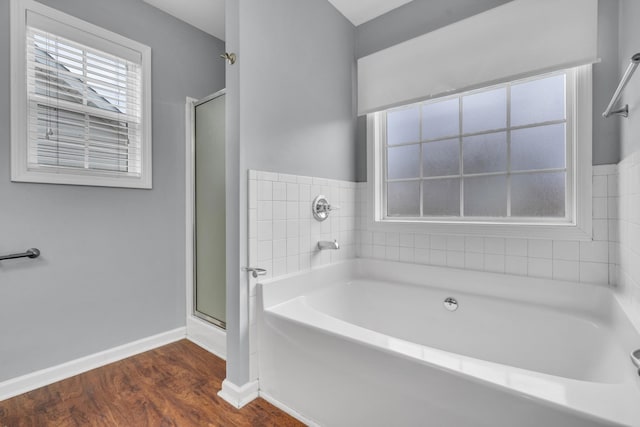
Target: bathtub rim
[[592, 300], [596, 302]]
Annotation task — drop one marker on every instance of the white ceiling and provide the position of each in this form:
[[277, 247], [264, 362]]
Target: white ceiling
[[361, 11], [208, 15]]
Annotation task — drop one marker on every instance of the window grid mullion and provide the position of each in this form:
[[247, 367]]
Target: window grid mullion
[[460, 155], [477, 175], [569, 149], [508, 150], [385, 164], [421, 160], [486, 132]]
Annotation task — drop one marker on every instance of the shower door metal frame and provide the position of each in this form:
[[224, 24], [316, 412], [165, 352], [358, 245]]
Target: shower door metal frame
[[194, 311]]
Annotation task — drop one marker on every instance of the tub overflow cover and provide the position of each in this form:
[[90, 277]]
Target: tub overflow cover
[[451, 304]]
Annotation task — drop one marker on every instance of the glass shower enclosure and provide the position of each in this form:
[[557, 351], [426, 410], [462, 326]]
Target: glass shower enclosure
[[209, 210]]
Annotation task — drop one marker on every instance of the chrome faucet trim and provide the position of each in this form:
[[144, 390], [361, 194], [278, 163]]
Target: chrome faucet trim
[[323, 244]]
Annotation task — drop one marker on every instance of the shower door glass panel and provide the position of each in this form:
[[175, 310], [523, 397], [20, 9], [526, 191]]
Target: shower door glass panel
[[210, 257]]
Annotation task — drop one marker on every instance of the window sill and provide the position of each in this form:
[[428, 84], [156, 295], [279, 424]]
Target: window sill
[[519, 230], [81, 179]]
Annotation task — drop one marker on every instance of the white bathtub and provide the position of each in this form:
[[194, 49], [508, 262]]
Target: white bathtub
[[369, 343]]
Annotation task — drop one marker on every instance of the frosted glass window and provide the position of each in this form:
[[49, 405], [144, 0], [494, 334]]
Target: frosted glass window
[[485, 153], [441, 197], [403, 126], [541, 147], [497, 152], [485, 196], [538, 194], [484, 111], [403, 198], [441, 119], [538, 101], [441, 158], [404, 162]]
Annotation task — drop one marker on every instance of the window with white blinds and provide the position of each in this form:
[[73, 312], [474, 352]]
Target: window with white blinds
[[86, 105]]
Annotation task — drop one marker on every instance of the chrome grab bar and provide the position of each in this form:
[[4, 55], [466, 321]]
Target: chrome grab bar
[[30, 253], [255, 271]]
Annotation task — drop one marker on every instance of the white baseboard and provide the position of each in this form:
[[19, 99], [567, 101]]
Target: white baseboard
[[34, 380], [238, 396], [207, 336], [288, 410]]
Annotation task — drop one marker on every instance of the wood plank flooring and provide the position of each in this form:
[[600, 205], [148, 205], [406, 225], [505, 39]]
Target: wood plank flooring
[[174, 385]]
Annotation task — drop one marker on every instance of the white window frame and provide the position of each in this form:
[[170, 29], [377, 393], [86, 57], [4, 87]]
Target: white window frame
[[20, 171], [576, 226]]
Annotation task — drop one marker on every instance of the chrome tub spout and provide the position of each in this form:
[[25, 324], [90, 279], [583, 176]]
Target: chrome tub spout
[[322, 245]]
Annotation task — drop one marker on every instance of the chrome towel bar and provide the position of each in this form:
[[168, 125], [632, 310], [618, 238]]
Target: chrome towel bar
[[624, 111], [30, 253]]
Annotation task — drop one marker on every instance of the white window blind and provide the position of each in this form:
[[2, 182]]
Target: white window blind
[[84, 108]]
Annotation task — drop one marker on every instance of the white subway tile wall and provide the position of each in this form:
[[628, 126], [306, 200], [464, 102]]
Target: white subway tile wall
[[593, 261], [283, 235], [624, 234]]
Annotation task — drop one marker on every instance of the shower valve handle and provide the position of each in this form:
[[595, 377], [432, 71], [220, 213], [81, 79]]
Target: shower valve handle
[[255, 271]]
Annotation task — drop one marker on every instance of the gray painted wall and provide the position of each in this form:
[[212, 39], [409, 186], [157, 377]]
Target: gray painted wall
[[237, 288], [415, 19], [629, 45], [290, 109], [606, 132], [423, 16], [112, 265], [297, 87]]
